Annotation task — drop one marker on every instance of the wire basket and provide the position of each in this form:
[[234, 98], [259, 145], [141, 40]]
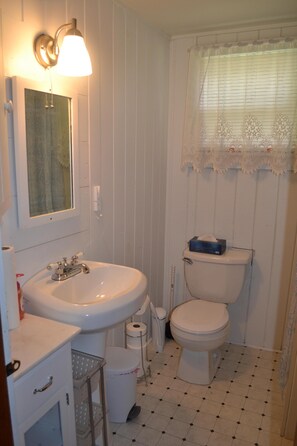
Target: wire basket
[[83, 424], [84, 366]]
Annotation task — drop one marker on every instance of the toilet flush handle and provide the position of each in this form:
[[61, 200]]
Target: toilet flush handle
[[187, 260]]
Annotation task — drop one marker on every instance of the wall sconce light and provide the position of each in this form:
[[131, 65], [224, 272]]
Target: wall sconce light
[[72, 58]]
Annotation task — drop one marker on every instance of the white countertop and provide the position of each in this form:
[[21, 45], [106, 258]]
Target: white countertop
[[36, 338]]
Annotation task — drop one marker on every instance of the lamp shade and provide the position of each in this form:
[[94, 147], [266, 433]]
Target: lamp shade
[[74, 59]]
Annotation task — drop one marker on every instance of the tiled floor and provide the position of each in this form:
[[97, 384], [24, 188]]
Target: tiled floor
[[241, 407]]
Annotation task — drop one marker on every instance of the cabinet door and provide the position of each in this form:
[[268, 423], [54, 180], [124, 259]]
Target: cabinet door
[[44, 402], [51, 425]]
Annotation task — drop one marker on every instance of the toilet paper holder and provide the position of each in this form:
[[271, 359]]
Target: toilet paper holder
[[136, 340]]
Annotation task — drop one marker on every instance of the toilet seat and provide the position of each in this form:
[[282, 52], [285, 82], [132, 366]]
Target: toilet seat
[[200, 317]]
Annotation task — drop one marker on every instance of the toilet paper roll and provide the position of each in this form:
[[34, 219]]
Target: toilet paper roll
[[10, 287], [136, 334], [136, 329]]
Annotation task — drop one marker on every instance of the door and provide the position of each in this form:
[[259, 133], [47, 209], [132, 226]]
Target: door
[[5, 421], [289, 424]]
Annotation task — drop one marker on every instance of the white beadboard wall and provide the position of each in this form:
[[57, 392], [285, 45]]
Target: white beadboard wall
[[122, 126], [251, 211], [122, 138], [128, 118]]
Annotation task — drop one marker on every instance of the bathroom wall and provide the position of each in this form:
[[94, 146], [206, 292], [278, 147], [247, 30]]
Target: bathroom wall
[[122, 139], [251, 211], [122, 130], [128, 118], [22, 21]]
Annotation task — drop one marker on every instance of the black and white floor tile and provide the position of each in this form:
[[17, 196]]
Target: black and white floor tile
[[241, 407]]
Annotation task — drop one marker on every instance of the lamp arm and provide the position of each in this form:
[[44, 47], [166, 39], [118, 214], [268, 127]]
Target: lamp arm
[[72, 24]]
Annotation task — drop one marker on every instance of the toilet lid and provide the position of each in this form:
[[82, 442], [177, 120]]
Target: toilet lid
[[199, 316]]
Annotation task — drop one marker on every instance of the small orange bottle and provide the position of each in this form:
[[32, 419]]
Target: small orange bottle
[[20, 298]]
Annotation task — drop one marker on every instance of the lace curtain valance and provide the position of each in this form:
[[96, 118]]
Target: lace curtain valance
[[241, 107]]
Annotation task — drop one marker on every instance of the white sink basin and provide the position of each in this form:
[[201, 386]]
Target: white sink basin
[[106, 296]]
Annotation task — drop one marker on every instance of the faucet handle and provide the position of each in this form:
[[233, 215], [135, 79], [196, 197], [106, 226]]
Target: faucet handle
[[53, 265], [64, 262], [75, 257], [58, 266]]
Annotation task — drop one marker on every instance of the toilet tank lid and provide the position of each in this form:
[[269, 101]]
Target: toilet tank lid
[[231, 256]]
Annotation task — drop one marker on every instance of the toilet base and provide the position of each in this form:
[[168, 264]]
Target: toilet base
[[198, 367]]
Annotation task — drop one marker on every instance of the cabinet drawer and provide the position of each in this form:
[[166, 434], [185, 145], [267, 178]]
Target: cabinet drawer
[[39, 384]]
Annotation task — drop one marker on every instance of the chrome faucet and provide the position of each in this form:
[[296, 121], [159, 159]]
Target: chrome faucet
[[65, 269]]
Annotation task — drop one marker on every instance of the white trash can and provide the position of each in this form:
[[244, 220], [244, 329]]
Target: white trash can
[[120, 376], [158, 328]]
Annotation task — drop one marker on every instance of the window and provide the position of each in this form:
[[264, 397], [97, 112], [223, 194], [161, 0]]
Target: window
[[241, 107]]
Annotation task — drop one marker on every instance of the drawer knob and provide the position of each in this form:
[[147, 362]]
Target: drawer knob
[[46, 386]]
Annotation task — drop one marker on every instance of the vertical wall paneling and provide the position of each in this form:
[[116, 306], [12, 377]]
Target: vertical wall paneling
[[153, 172], [119, 131], [205, 204], [92, 36], [148, 156], [122, 122], [142, 97], [251, 211], [176, 201], [238, 312], [225, 198], [133, 119], [192, 211], [131, 146], [244, 209], [159, 141], [263, 241], [103, 234], [132, 132], [122, 125]]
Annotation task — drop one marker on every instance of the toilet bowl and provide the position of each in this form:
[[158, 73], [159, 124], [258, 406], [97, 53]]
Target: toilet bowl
[[201, 326]]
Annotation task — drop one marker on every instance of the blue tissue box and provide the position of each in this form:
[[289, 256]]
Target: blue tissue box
[[218, 247]]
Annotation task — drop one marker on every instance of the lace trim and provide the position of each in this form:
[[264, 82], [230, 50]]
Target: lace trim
[[251, 149], [253, 133], [248, 162]]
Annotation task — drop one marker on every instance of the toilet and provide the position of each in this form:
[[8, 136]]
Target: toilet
[[201, 325]]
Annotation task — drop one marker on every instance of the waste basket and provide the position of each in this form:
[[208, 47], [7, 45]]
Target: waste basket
[[121, 376], [158, 328]]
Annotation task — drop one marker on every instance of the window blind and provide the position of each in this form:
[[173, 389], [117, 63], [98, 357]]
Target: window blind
[[241, 107]]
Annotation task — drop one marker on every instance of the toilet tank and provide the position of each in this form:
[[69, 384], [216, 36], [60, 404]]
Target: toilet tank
[[216, 278]]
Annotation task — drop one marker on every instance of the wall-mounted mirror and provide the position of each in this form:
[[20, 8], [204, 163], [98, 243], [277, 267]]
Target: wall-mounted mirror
[[46, 162]]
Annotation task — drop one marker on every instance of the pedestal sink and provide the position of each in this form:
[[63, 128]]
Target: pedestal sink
[[108, 295]]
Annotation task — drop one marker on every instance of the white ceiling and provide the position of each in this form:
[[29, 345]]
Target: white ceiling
[[175, 17]]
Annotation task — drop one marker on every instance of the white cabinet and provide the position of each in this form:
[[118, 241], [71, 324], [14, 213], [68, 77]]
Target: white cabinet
[[44, 402]]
